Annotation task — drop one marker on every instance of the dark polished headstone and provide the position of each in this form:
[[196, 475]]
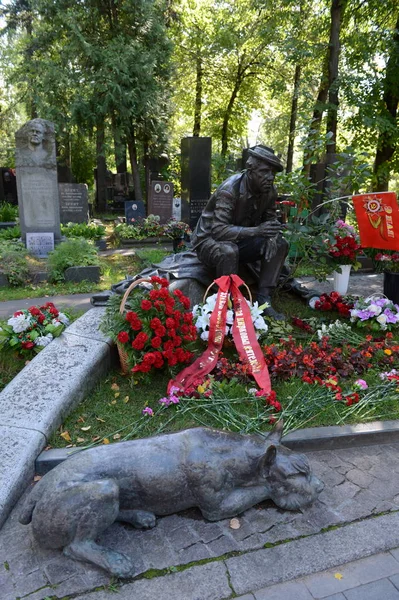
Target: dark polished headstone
[[160, 200], [195, 175], [8, 186], [134, 212], [74, 203]]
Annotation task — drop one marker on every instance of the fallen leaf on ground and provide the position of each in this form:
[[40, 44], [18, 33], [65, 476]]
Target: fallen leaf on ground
[[95, 438], [66, 436], [126, 399], [37, 478], [105, 441], [117, 436], [113, 402], [117, 395], [86, 428], [115, 387], [101, 420], [338, 576], [234, 524], [80, 440]]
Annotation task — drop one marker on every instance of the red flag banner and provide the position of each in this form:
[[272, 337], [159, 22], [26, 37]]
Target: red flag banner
[[243, 334], [378, 219]]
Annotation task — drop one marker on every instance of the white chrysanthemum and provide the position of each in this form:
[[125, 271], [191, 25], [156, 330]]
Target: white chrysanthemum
[[43, 340], [63, 318], [20, 323], [204, 336]]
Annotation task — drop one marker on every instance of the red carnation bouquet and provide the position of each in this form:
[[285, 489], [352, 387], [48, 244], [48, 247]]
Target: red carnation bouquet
[[345, 249], [155, 330]]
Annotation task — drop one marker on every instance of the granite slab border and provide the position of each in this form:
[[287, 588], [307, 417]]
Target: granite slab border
[[37, 400]]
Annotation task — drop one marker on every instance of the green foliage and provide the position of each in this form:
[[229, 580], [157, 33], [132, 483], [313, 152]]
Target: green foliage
[[8, 212], [89, 231], [11, 233], [75, 252], [147, 228], [14, 263]]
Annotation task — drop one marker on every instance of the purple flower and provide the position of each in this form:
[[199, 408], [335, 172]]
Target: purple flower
[[364, 314], [391, 317], [148, 411], [361, 384]]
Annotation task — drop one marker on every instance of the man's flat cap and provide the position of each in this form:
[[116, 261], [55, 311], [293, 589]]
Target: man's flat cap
[[267, 155]]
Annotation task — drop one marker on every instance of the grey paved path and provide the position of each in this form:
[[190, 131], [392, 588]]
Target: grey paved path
[[356, 516]]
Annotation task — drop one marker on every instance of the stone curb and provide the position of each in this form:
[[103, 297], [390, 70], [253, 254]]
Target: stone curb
[[302, 440], [260, 569], [37, 400]]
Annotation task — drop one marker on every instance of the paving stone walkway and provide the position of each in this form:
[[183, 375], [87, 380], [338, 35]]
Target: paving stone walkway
[[357, 514]]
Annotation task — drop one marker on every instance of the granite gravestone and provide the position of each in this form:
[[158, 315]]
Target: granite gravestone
[[195, 175], [134, 212], [160, 200], [176, 209], [74, 203], [36, 169]]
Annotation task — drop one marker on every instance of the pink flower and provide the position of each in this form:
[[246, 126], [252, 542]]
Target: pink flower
[[361, 384], [148, 411]]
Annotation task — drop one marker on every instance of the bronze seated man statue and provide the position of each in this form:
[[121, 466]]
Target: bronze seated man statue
[[239, 225]]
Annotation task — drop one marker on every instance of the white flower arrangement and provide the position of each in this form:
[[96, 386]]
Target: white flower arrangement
[[202, 316]]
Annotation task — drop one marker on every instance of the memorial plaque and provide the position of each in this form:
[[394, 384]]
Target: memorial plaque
[[161, 200], [134, 211], [40, 244], [196, 174], [74, 203], [37, 185], [176, 209]]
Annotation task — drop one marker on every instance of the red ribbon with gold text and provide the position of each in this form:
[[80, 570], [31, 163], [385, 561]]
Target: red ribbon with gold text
[[243, 335]]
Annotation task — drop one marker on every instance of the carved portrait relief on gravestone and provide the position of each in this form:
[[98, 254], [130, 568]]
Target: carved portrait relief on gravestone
[[35, 144]]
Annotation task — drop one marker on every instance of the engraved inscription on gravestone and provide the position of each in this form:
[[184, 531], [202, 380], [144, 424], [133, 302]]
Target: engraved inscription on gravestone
[[40, 244], [38, 193], [161, 199], [74, 203]]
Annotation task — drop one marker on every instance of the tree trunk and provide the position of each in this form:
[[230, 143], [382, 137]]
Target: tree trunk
[[294, 108], [227, 115], [131, 143], [387, 139], [147, 170], [314, 129], [337, 12], [101, 184], [198, 97], [328, 85], [119, 146]]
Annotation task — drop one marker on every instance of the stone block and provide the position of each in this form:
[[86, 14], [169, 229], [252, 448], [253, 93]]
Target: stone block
[[261, 568], [3, 280], [285, 591], [77, 274], [87, 326], [18, 449], [205, 582], [378, 590]]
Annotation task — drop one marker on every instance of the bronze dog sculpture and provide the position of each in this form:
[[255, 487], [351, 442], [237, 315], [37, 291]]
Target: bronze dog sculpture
[[221, 473]]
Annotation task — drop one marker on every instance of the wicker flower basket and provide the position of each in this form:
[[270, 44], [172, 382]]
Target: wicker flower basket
[[123, 356]]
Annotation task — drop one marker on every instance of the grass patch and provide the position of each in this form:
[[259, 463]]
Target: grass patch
[[114, 268], [10, 366]]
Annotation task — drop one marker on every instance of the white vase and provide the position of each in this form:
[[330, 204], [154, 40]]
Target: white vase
[[341, 280]]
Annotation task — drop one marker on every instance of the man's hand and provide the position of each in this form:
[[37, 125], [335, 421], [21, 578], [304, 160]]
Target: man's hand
[[269, 229]]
